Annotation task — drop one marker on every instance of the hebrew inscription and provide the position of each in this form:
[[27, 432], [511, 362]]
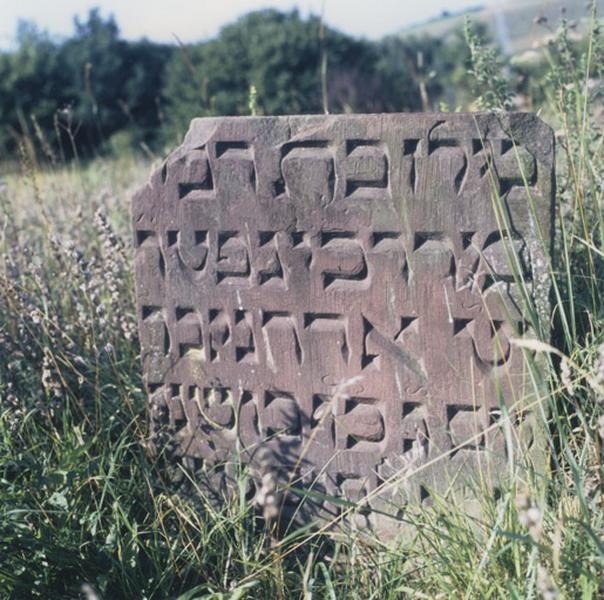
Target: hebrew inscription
[[337, 293]]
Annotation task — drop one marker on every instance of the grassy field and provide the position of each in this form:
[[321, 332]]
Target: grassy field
[[83, 508]]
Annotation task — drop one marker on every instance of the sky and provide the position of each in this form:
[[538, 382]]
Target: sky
[[193, 20]]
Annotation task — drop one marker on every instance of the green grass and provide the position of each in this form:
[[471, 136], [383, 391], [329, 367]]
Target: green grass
[[82, 501]]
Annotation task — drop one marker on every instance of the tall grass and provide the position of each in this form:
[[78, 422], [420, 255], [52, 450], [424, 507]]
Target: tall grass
[[82, 502]]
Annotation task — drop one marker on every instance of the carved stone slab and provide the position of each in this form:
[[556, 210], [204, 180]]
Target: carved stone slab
[[334, 295]]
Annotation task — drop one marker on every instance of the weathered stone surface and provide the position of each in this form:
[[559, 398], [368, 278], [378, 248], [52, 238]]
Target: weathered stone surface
[[332, 295]]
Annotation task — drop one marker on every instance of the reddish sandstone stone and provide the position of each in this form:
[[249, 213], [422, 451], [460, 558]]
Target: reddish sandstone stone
[[334, 294]]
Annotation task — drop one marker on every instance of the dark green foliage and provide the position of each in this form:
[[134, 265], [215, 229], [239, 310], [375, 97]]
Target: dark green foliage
[[112, 84], [420, 73], [86, 88], [83, 90], [280, 54], [31, 82]]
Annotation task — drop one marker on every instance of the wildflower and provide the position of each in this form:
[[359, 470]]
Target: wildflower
[[545, 584], [529, 516], [601, 427], [89, 593], [271, 506], [49, 383], [597, 382], [600, 365], [109, 349], [566, 377], [267, 497]]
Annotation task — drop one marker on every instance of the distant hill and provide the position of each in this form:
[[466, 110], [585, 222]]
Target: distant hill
[[512, 23]]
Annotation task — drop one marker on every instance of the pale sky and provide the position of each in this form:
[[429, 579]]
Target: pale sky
[[193, 20]]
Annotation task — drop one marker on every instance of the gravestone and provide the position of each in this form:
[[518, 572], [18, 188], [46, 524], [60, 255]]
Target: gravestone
[[333, 297]]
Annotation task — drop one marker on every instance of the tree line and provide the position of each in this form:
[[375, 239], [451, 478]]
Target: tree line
[[96, 92]]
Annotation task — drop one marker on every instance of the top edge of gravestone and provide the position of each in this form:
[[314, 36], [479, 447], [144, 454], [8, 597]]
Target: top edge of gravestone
[[525, 128], [515, 115]]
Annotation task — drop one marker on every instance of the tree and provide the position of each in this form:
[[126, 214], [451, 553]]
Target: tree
[[95, 87], [31, 83], [113, 84], [280, 55], [95, 84]]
